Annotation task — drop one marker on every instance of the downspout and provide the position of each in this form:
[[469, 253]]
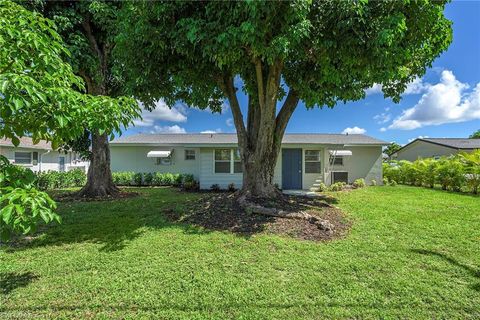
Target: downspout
[[41, 160]]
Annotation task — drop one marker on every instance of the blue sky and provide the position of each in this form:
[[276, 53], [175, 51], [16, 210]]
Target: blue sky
[[444, 103]]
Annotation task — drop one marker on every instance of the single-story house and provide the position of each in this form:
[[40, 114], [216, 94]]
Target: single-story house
[[40, 157], [435, 148], [305, 160]]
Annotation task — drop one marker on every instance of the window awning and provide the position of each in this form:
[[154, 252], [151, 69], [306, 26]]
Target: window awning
[[340, 152], [159, 154]]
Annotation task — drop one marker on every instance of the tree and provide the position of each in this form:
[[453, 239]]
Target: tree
[[475, 135], [392, 148], [277, 53], [40, 96], [88, 28]]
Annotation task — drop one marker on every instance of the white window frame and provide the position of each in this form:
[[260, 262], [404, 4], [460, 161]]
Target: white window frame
[[194, 154], [319, 160], [164, 161], [333, 158], [23, 164], [231, 161]]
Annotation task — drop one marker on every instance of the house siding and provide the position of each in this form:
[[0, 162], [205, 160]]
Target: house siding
[[134, 158], [422, 149]]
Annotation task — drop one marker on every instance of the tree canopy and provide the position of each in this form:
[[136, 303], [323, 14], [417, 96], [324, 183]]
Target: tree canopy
[[475, 135], [39, 93], [392, 148]]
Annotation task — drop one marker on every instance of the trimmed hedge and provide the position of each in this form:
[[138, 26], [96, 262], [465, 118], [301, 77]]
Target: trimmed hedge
[[457, 173], [58, 180], [151, 179]]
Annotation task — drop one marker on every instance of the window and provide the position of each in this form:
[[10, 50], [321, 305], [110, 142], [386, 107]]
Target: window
[[189, 154], [222, 160], [237, 161], [312, 161], [337, 160], [23, 157], [228, 161], [35, 158]]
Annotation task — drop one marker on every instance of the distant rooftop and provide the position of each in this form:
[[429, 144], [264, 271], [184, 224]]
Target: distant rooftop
[[26, 142], [456, 143], [231, 138]]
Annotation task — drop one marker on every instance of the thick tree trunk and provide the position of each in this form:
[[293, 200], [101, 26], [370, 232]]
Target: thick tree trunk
[[99, 179], [258, 173]]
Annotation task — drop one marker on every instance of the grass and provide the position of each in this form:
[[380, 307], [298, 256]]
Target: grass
[[412, 253]]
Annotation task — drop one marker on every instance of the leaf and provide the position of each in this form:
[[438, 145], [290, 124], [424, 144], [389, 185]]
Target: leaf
[[15, 141]]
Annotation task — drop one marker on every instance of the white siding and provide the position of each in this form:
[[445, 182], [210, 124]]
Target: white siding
[[127, 158], [208, 175], [422, 149], [47, 161]]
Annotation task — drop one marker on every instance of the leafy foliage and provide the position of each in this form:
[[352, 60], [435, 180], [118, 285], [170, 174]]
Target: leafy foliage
[[40, 95], [392, 148], [126, 178], [475, 135], [454, 173], [22, 206], [359, 183], [57, 180]]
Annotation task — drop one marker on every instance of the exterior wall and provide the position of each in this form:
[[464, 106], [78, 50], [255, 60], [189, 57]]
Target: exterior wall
[[422, 149], [365, 162], [47, 161], [134, 158]]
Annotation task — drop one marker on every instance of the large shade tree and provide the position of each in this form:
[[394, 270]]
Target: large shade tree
[[40, 96], [278, 54], [88, 29]]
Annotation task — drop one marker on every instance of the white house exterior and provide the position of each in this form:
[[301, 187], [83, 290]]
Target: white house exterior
[[435, 148], [40, 157], [304, 161]]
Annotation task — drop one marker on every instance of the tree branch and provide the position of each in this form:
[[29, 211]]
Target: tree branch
[[260, 87], [285, 113], [228, 87]]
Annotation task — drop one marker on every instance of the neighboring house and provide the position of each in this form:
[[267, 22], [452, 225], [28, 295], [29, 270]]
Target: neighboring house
[[304, 161], [40, 156], [435, 148]]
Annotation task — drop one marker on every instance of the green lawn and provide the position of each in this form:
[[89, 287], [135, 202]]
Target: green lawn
[[412, 253]]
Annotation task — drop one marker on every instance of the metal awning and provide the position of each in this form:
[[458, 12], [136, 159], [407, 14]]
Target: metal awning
[[159, 154], [340, 152]]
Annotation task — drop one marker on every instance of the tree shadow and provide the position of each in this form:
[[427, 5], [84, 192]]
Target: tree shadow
[[474, 272], [10, 281]]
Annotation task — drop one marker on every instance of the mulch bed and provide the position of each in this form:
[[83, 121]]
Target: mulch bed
[[221, 212]]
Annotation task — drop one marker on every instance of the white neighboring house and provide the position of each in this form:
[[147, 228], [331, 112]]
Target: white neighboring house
[[435, 148], [305, 160], [40, 157]]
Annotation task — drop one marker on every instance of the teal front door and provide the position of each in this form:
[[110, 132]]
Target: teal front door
[[291, 169]]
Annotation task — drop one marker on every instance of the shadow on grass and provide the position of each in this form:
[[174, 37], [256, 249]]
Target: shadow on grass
[[10, 281], [474, 272]]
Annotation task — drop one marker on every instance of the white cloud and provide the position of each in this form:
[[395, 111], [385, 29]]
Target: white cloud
[[444, 102], [168, 129], [229, 122], [212, 131], [415, 87], [383, 117], [383, 129], [354, 130], [161, 113], [419, 137]]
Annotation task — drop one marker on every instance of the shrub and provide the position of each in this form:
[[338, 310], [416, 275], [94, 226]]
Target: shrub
[[148, 178], [138, 179], [231, 187], [215, 187], [373, 182], [187, 178], [57, 180], [123, 178], [337, 186], [393, 183], [157, 179], [322, 187], [385, 181], [168, 179], [359, 183], [191, 185]]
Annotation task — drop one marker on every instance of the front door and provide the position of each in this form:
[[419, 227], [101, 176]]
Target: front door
[[291, 169], [61, 164]]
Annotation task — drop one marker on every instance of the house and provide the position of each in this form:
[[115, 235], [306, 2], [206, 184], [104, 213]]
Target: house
[[40, 157], [305, 160], [435, 148]]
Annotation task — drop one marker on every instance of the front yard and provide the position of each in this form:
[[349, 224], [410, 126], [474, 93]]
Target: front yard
[[411, 253]]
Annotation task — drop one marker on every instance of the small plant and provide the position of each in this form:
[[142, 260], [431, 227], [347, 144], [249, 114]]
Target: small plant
[[137, 179], [191, 185], [215, 187], [231, 187], [322, 187], [385, 181], [337, 186], [373, 183], [359, 183], [393, 183], [148, 178]]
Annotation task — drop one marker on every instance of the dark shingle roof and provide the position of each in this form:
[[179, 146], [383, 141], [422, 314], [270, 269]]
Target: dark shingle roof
[[26, 142], [231, 138], [456, 143]]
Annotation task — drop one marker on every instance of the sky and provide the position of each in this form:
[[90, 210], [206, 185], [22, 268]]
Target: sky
[[443, 103]]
